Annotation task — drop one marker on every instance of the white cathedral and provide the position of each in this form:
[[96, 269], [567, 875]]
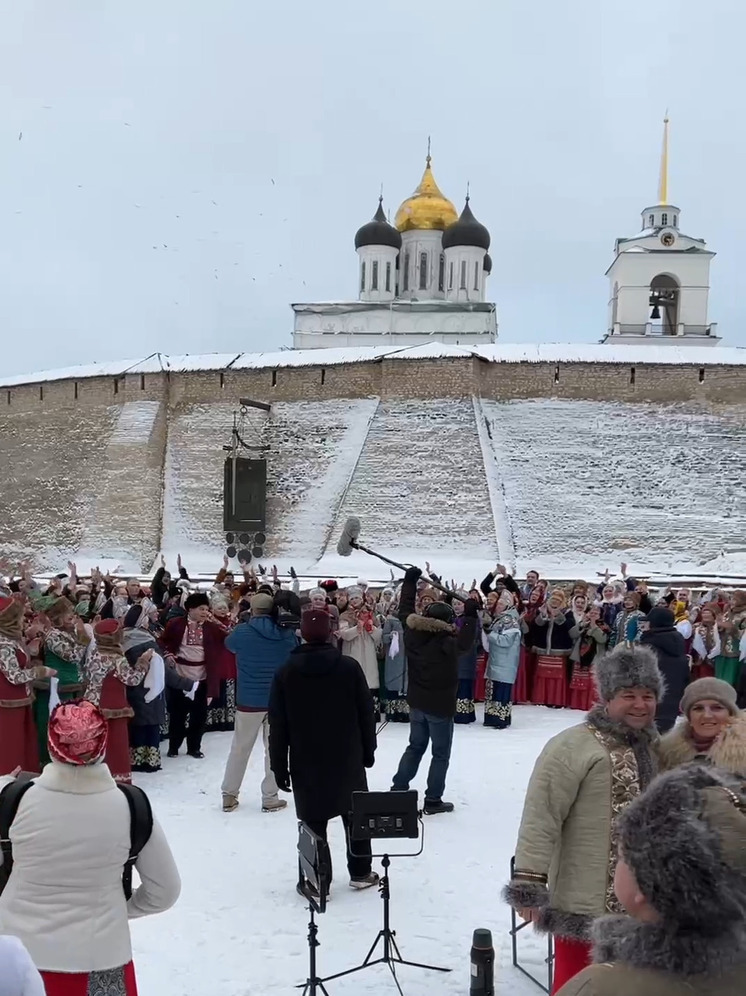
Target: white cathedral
[[423, 279]]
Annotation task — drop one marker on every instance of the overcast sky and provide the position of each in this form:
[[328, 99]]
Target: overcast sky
[[173, 173]]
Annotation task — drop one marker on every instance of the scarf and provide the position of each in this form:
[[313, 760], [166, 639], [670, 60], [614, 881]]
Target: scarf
[[706, 642]]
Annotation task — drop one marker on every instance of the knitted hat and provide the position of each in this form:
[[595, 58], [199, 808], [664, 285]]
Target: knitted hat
[[195, 600], [661, 618], [354, 592], [262, 605], [77, 733], [317, 593], [628, 667], [108, 633], [315, 625], [709, 688], [441, 611], [685, 841], [58, 610]]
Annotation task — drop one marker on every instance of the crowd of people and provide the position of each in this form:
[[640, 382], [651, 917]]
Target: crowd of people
[[97, 673]]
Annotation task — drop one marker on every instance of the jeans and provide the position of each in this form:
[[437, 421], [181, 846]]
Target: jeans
[[424, 727], [359, 863]]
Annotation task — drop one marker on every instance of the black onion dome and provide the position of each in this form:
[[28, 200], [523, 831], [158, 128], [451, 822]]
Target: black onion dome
[[487, 263], [378, 232], [467, 231]]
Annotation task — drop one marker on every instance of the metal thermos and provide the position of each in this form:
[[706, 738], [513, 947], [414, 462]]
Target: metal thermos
[[482, 964]]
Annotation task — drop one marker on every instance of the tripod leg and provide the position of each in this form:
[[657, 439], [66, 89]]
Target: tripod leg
[[396, 980], [369, 955]]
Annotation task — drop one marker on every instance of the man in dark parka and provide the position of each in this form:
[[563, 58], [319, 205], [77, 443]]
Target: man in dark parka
[[322, 735]]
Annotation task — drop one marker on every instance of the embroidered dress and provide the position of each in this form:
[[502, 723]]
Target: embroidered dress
[[550, 683], [498, 704], [108, 673], [727, 664], [221, 715], [18, 741], [705, 649], [145, 748], [112, 982], [525, 677]]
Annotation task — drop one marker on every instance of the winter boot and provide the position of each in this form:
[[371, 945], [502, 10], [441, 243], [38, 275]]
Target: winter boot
[[432, 807], [230, 802], [274, 805], [365, 882]]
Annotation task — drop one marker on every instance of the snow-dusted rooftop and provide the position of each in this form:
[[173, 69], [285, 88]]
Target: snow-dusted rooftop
[[498, 353]]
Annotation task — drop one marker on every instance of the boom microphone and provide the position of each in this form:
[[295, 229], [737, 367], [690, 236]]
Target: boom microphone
[[348, 540]]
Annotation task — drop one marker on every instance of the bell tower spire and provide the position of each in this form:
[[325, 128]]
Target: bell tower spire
[[663, 181]]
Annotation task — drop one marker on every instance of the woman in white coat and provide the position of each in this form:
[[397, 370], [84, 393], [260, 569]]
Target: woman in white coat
[[71, 838]]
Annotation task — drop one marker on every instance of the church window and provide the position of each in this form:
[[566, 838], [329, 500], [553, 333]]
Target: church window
[[675, 221], [142, 382], [323, 376], [362, 276], [388, 276], [374, 276], [463, 275], [664, 218], [222, 379], [116, 386], [450, 276], [8, 397], [651, 220], [274, 378], [442, 272], [476, 276], [406, 271], [423, 271], [556, 374]]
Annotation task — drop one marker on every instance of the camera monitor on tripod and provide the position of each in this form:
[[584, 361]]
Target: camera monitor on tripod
[[384, 815], [314, 867]]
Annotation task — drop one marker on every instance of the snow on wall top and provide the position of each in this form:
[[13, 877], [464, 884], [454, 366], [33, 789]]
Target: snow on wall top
[[557, 352]]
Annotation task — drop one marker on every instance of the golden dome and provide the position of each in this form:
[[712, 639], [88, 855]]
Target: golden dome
[[427, 208]]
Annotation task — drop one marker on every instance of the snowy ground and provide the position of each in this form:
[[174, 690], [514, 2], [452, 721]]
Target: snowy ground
[[239, 928]]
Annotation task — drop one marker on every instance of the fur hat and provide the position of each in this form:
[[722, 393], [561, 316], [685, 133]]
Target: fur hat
[[195, 600], [262, 605], [628, 667], [709, 688], [685, 841], [317, 593], [60, 608], [77, 733], [315, 625], [354, 592], [329, 585]]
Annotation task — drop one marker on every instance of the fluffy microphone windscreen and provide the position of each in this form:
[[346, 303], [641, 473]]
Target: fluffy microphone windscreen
[[350, 533]]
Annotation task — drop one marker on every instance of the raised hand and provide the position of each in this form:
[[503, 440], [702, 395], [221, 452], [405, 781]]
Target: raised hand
[[178, 561], [163, 561], [226, 562]]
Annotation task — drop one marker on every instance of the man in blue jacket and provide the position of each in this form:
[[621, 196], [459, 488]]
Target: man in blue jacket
[[261, 647]]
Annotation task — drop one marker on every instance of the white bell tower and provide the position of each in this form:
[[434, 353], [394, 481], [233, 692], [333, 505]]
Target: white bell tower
[[659, 281]]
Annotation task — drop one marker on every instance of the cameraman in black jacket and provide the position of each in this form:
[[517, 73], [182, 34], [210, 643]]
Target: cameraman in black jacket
[[433, 646]]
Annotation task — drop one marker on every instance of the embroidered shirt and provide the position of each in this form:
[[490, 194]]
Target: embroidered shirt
[[101, 663], [9, 663], [191, 663]]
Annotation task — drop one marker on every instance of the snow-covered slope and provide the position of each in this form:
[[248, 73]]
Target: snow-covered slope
[[590, 483]]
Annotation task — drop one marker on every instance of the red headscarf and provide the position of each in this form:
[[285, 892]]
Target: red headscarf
[[77, 733]]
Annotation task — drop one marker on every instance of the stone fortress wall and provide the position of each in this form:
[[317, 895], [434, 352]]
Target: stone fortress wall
[[122, 466]]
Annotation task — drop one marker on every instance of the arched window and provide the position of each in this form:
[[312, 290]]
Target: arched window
[[675, 221], [423, 271], [442, 272], [374, 276], [651, 220], [362, 276], [463, 275], [450, 276], [476, 276], [664, 218], [405, 282], [388, 276]]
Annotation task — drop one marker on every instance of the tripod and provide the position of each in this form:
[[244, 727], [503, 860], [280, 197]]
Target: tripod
[[391, 955], [314, 984]]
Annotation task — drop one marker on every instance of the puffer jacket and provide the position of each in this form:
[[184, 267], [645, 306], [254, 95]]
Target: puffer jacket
[[261, 648], [565, 858], [646, 959], [728, 751]]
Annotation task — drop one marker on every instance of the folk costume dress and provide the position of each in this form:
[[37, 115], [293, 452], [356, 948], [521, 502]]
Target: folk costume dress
[[502, 667], [467, 673], [109, 673], [18, 740], [590, 643], [705, 651], [395, 702], [552, 645]]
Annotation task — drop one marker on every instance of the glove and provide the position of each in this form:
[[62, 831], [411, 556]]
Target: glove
[[471, 608], [283, 782], [413, 574]]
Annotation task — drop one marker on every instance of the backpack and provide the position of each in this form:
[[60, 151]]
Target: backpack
[[141, 827]]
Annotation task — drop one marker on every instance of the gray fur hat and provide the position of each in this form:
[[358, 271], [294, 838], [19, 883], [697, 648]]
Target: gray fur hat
[[685, 841], [628, 666]]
